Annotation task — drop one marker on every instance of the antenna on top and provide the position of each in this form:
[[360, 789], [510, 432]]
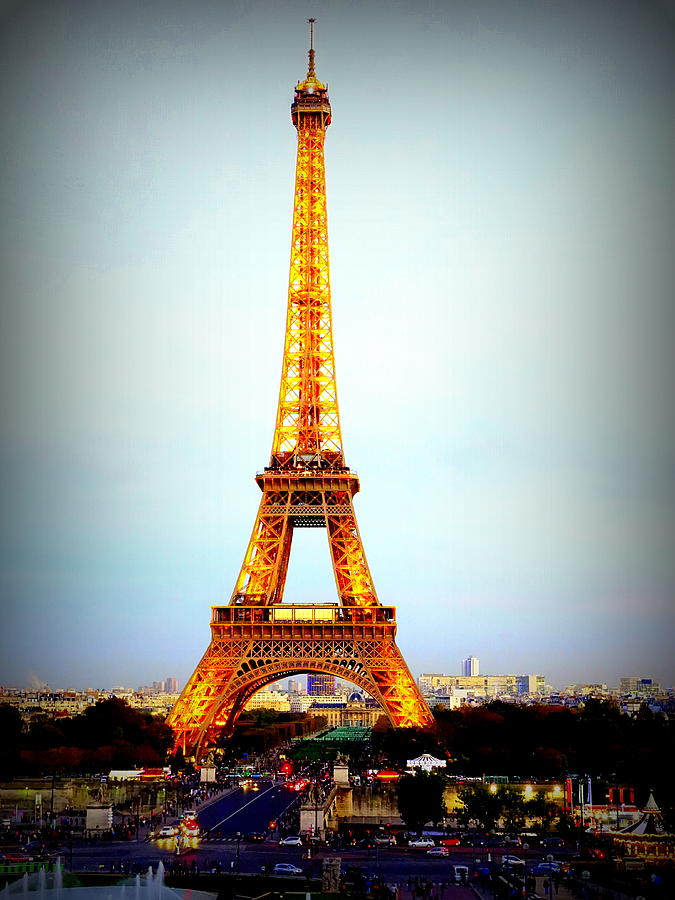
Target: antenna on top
[[310, 71]]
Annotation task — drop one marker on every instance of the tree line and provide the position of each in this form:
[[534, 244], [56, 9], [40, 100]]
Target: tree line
[[108, 735], [547, 742]]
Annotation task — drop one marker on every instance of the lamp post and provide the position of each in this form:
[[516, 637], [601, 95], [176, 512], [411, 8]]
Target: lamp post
[[238, 858], [51, 805], [316, 804]]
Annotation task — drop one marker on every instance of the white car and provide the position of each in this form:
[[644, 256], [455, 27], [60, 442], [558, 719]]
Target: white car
[[292, 841], [167, 831], [460, 874], [421, 844], [438, 851], [512, 861], [286, 869]]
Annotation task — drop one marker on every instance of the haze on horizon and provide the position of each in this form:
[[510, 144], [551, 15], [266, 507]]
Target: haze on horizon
[[501, 213]]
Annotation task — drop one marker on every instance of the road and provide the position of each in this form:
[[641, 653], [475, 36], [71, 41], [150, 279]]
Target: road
[[247, 810]]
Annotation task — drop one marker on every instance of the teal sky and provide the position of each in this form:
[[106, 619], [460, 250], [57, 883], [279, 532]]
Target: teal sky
[[501, 213]]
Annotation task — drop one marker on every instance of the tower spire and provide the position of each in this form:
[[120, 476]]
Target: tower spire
[[310, 70]]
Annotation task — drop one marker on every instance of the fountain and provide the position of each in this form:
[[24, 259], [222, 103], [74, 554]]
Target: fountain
[[45, 885]]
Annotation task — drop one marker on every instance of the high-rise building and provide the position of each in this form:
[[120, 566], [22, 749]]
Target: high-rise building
[[470, 666], [171, 685], [320, 684]]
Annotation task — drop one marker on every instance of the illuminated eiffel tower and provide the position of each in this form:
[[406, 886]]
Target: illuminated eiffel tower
[[257, 639]]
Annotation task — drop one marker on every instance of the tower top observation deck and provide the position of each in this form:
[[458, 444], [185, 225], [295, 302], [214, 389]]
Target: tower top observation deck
[[310, 103]]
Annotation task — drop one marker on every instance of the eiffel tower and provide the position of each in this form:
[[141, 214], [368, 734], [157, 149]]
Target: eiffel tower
[[258, 639]]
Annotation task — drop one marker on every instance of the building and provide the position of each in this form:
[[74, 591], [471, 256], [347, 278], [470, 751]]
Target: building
[[642, 686], [530, 684], [481, 685], [267, 699], [171, 685], [470, 666], [357, 712], [302, 702], [320, 684]]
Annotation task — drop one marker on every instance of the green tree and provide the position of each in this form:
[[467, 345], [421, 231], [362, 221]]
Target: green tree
[[420, 799], [481, 807], [545, 810], [513, 809]]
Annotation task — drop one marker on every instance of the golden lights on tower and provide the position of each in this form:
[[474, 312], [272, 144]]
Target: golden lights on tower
[[257, 639]]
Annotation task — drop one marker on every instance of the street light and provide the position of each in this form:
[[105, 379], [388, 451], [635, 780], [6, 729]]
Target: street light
[[51, 805], [238, 842]]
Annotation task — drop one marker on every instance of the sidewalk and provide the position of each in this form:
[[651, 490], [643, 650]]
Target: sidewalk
[[550, 893], [562, 892]]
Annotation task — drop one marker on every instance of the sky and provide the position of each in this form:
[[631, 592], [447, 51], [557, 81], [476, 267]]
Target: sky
[[501, 218]]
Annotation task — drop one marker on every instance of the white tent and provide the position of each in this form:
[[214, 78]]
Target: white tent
[[651, 821], [427, 762]]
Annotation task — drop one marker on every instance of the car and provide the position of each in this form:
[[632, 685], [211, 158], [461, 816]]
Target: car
[[14, 856], [474, 840], [421, 844], [286, 869], [438, 851], [291, 841], [556, 842], [512, 861], [35, 847], [254, 836], [386, 840], [358, 875], [547, 868], [167, 831], [450, 842], [460, 874]]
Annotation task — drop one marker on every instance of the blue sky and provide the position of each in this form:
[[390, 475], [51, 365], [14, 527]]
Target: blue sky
[[501, 217]]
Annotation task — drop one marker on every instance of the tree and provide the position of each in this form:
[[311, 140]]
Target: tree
[[420, 799], [110, 734], [545, 810], [397, 745], [481, 807], [11, 729], [513, 809]]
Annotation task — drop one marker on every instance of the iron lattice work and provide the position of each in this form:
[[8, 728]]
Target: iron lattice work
[[256, 640]]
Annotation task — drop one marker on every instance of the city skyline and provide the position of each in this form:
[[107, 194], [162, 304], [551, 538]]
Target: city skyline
[[500, 213], [173, 685]]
